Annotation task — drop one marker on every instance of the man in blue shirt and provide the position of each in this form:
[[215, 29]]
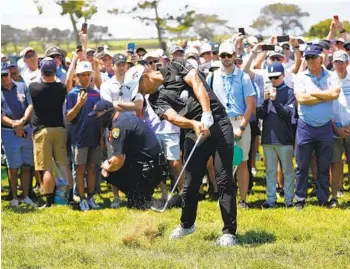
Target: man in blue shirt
[[315, 90], [277, 135], [235, 91], [16, 132], [85, 133], [55, 54]]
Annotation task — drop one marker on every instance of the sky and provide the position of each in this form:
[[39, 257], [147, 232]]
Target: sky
[[23, 14]]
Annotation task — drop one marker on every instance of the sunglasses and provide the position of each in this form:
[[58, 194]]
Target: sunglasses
[[313, 57], [276, 58], [224, 55], [4, 75], [90, 54], [152, 62], [274, 77], [286, 48]]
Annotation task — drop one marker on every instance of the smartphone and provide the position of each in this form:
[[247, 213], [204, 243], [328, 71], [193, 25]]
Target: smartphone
[[131, 47], [79, 48], [241, 30], [158, 66], [336, 17], [82, 90], [84, 28], [282, 38], [100, 49], [268, 47]]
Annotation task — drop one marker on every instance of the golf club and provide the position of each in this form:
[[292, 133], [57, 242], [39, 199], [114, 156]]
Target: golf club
[[178, 179]]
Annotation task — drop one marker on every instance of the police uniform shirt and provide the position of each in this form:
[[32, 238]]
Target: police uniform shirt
[[132, 137], [170, 94]]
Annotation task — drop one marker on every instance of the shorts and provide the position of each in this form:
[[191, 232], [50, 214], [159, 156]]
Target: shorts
[[244, 143], [86, 155], [339, 146], [50, 143], [170, 144], [18, 150]]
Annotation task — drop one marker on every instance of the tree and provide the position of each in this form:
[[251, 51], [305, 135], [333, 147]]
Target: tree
[[260, 24], [167, 23], [284, 16], [206, 25], [321, 29], [76, 10], [96, 33]]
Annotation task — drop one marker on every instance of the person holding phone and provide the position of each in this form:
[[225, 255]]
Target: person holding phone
[[16, 132], [85, 134]]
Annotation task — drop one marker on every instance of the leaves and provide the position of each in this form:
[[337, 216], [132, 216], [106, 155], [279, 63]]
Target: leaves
[[261, 23], [321, 29]]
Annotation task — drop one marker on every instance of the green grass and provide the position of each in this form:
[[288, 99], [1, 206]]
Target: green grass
[[60, 237]]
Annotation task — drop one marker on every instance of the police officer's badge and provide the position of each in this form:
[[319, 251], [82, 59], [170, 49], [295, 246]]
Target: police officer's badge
[[115, 133]]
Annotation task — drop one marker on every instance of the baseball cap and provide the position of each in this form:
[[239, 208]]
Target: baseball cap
[[275, 69], [277, 52], [83, 67], [312, 50], [227, 47], [68, 60], [52, 51], [324, 44], [205, 48], [90, 50], [286, 43], [25, 51], [175, 49], [192, 52], [4, 68], [215, 65], [132, 79], [340, 40], [152, 54], [259, 37], [47, 64], [347, 45], [119, 58], [141, 49], [101, 106], [340, 55], [215, 47]]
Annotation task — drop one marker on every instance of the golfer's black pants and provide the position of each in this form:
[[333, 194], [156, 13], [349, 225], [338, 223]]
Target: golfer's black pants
[[220, 145]]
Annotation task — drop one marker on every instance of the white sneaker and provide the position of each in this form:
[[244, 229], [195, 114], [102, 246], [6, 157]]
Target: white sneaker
[[14, 202], [226, 240], [29, 201], [180, 232], [115, 203], [84, 205], [253, 171], [93, 204]]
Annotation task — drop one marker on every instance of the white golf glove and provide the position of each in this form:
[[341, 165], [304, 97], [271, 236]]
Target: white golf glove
[[207, 119]]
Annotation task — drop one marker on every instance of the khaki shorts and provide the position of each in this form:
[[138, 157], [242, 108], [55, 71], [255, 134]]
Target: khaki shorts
[[339, 146], [87, 155], [244, 143], [50, 143]]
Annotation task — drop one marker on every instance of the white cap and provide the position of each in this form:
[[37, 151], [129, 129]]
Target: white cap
[[340, 55], [68, 60], [205, 48], [132, 79], [152, 54], [3, 55], [227, 47], [215, 65], [25, 50], [83, 66], [340, 40], [191, 51]]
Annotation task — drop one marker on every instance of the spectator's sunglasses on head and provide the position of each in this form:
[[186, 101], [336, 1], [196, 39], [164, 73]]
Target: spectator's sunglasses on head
[[313, 57], [276, 58], [30, 54], [152, 62], [224, 55], [274, 77], [4, 75]]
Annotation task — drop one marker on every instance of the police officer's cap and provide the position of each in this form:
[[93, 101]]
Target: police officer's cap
[[101, 106]]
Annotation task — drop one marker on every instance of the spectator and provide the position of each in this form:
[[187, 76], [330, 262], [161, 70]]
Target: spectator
[[55, 54], [141, 52], [85, 133], [16, 132], [32, 72], [49, 135], [277, 135], [314, 92], [341, 125], [107, 71], [235, 91], [151, 59], [15, 75], [177, 53], [206, 57], [215, 52]]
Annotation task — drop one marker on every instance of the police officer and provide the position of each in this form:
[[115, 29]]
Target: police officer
[[136, 166], [181, 96]]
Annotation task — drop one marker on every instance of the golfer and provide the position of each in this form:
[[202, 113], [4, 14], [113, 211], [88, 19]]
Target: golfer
[[182, 97]]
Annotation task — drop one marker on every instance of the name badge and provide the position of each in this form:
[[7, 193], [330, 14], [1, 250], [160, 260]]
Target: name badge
[[21, 97]]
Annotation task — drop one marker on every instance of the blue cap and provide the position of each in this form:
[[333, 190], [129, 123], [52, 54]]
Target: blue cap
[[48, 64], [101, 106], [259, 36], [275, 69], [4, 68], [313, 50]]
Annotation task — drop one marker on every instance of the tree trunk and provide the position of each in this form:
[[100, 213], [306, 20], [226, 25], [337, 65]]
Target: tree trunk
[[159, 30], [75, 29]]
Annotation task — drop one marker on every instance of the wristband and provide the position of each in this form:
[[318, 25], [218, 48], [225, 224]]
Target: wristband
[[296, 47]]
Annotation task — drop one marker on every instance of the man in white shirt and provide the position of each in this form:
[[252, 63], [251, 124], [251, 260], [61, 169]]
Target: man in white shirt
[[32, 72]]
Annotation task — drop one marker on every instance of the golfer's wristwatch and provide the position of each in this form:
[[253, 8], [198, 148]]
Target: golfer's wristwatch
[[242, 128]]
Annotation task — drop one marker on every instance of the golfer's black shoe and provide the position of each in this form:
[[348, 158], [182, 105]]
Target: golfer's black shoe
[[333, 203]]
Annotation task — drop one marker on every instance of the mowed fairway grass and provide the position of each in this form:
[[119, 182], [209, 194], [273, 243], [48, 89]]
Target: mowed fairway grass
[[61, 237]]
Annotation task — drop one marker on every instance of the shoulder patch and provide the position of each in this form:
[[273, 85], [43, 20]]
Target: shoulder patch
[[115, 133]]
